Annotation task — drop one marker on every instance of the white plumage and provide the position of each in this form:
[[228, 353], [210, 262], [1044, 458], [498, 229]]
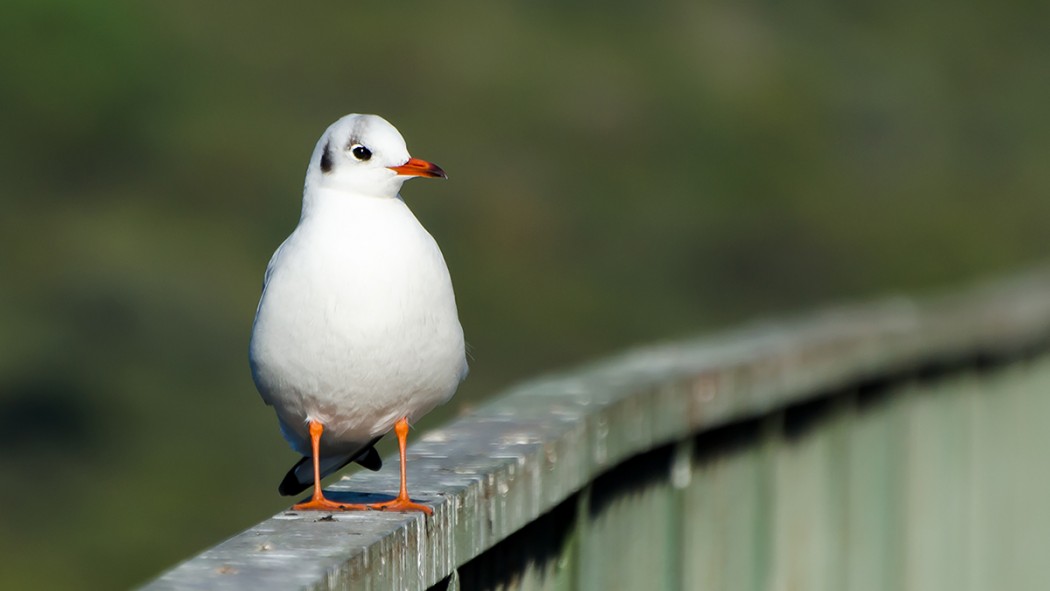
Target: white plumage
[[357, 324]]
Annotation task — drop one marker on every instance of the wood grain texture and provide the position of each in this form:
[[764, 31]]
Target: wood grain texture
[[780, 505]]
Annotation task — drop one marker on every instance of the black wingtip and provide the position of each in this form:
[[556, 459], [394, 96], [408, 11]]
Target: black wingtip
[[370, 459], [290, 485]]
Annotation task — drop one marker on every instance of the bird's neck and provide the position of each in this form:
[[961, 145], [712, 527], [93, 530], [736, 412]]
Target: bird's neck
[[338, 204]]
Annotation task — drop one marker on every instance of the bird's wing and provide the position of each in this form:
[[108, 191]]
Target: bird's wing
[[266, 280], [270, 266], [301, 476]]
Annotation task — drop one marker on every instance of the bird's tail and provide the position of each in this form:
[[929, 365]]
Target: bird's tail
[[301, 476]]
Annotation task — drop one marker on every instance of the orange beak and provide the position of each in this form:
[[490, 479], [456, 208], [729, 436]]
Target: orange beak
[[417, 167]]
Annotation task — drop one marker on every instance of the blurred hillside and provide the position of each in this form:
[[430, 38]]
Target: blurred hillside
[[619, 173]]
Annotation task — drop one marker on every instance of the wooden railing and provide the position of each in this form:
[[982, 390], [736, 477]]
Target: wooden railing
[[895, 445]]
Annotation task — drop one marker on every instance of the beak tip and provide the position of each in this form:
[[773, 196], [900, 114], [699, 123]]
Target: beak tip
[[417, 167]]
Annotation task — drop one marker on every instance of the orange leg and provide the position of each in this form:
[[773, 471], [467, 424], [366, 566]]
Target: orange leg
[[402, 502], [318, 502]]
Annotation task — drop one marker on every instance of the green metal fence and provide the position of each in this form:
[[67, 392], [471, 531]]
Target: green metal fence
[[897, 445]]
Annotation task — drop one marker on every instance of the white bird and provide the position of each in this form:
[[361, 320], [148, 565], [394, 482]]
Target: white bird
[[357, 330]]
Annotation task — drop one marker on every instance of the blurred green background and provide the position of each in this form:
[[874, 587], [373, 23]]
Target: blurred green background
[[620, 172]]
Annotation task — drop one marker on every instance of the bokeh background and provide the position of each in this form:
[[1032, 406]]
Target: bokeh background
[[621, 172]]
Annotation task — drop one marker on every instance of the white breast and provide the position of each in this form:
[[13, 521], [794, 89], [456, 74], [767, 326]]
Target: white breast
[[357, 325]]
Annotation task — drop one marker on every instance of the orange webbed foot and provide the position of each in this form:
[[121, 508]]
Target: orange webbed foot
[[323, 504], [400, 504]]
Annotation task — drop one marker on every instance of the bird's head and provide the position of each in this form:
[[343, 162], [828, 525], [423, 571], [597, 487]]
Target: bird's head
[[365, 154]]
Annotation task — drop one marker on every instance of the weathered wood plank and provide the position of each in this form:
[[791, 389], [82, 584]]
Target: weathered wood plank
[[490, 474]]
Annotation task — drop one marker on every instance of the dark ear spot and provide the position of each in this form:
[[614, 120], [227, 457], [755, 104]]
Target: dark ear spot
[[326, 158]]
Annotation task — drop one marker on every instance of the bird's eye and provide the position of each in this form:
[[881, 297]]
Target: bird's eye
[[360, 152]]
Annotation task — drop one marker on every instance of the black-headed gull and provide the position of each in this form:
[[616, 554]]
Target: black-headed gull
[[356, 330]]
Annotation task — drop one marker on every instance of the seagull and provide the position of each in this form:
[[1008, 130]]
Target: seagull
[[357, 331]]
